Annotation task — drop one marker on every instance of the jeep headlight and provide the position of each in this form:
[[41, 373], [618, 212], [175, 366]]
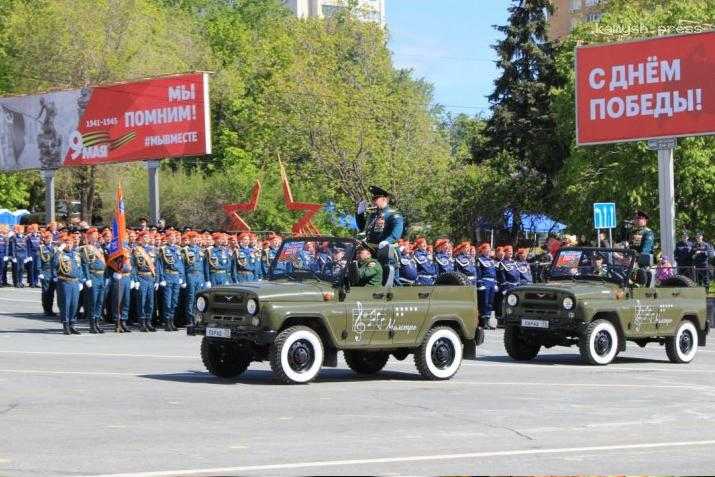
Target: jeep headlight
[[512, 300], [251, 306], [201, 304], [567, 303]]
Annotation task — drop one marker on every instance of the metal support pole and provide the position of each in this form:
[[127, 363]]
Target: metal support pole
[[48, 176], [666, 187], [610, 238], [153, 175]]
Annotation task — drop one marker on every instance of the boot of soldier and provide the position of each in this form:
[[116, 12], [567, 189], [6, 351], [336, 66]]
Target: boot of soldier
[[65, 328], [93, 327], [167, 326], [173, 326], [74, 331], [143, 327], [125, 328], [150, 327], [98, 327]]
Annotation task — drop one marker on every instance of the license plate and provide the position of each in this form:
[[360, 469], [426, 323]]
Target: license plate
[[218, 332], [535, 323]]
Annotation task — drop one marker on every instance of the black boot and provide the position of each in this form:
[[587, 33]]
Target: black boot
[[74, 331], [167, 326], [143, 327], [150, 327], [173, 326], [124, 327], [93, 327], [65, 328], [98, 327]]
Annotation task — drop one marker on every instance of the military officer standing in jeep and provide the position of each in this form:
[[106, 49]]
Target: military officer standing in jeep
[[642, 238], [383, 225]]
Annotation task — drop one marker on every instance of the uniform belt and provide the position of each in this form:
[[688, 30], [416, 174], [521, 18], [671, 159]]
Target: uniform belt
[[472, 277], [218, 271], [425, 276], [511, 283], [406, 280], [172, 272], [146, 274], [489, 279], [68, 279], [97, 272]]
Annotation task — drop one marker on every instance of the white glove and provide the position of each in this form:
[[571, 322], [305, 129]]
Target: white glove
[[5, 259], [28, 259], [207, 285], [117, 276], [14, 260], [496, 289], [41, 276], [62, 246], [156, 286], [181, 282], [88, 283], [482, 288], [183, 285], [383, 244], [107, 281], [362, 207], [54, 279], [81, 287], [162, 283]]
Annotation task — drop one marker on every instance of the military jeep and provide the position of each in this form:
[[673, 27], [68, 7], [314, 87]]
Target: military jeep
[[308, 308], [597, 299]]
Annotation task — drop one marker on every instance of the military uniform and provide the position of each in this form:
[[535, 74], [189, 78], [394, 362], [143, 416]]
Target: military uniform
[[47, 275], [444, 263], [642, 240], [95, 273], [426, 268], [268, 256], [170, 268], [33, 252], [120, 296], [69, 276], [369, 273], [464, 264], [143, 264], [408, 268], [486, 284], [18, 255], [218, 265], [702, 253], [524, 268], [508, 278], [195, 278], [683, 256], [4, 258], [244, 265]]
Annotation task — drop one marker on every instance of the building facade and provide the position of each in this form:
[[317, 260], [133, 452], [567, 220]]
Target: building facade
[[368, 10], [569, 13]]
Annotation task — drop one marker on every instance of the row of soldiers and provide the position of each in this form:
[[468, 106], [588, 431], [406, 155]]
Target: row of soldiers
[[160, 274], [492, 271], [19, 254]]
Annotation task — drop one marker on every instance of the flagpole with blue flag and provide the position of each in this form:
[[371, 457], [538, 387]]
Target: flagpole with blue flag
[[117, 247]]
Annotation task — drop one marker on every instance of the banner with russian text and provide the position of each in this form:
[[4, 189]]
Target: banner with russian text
[[646, 89], [155, 118]]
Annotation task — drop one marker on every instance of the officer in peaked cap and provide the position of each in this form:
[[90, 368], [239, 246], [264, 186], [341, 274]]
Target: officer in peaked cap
[[642, 238]]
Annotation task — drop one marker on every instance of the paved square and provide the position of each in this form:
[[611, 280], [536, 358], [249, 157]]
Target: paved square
[[101, 404]]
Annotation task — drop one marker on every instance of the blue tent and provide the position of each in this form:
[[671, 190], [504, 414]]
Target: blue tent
[[540, 224], [8, 217]]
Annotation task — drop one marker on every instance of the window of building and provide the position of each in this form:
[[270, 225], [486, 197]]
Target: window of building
[[594, 16], [591, 3], [330, 10], [575, 5]]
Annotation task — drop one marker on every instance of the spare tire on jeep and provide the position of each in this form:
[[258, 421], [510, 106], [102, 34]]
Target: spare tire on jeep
[[678, 281], [453, 279]]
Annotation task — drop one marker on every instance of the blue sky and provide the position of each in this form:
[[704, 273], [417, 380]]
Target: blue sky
[[447, 42]]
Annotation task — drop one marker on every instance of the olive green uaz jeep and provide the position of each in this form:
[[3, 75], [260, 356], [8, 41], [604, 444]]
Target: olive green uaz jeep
[[308, 309], [600, 298]]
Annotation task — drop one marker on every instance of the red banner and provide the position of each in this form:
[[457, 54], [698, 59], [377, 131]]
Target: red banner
[[150, 119], [646, 89]]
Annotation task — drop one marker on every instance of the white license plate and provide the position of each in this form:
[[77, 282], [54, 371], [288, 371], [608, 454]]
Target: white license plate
[[535, 323], [218, 332]]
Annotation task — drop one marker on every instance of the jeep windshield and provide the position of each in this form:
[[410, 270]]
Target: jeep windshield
[[312, 258], [592, 264]]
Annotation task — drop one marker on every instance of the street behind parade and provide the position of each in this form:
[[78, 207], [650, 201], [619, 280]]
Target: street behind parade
[[124, 403]]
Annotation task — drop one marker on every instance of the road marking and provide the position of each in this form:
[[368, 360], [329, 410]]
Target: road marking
[[80, 373], [419, 458], [541, 365], [108, 355], [19, 301], [585, 385]]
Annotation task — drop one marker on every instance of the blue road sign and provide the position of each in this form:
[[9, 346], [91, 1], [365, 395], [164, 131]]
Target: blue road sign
[[604, 215]]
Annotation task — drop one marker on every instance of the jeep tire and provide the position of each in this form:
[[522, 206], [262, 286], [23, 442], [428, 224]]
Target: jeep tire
[[296, 355], [224, 359], [599, 343], [440, 354], [682, 347], [678, 281], [517, 348], [366, 362]]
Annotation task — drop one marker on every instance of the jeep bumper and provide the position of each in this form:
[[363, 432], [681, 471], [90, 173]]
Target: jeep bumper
[[239, 333]]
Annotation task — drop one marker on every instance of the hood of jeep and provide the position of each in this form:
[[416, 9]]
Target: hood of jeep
[[278, 291], [581, 290]]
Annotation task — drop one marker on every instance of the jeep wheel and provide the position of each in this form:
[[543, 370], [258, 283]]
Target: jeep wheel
[[365, 362], [678, 281], [296, 355], [599, 343], [682, 347], [224, 359], [440, 354], [517, 347]]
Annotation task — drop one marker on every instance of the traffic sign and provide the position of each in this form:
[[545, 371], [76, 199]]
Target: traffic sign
[[604, 215], [662, 144]]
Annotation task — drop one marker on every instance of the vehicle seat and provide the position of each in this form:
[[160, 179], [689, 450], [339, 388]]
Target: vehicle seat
[[388, 276]]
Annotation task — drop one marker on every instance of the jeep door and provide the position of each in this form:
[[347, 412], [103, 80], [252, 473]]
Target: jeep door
[[645, 312], [407, 308], [367, 312]]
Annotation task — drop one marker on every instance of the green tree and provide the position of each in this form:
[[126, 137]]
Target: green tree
[[14, 192]]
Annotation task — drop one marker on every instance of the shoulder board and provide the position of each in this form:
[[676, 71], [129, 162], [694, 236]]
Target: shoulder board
[[406, 261], [442, 260], [486, 262]]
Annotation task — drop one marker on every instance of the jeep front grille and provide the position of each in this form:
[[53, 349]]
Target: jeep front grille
[[539, 296]]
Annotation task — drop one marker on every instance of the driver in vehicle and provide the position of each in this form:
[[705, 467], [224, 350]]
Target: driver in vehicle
[[369, 269]]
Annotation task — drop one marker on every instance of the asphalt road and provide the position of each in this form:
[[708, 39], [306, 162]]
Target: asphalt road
[[79, 405]]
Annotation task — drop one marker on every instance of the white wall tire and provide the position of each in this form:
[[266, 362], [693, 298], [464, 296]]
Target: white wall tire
[[682, 347], [297, 355], [440, 354], [599, 343]]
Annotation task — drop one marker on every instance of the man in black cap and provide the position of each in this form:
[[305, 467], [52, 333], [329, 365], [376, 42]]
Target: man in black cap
[[642, 238], [702, 253]]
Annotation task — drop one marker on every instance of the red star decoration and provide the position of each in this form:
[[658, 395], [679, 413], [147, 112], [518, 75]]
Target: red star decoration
[[304, 226], [236, 222]]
